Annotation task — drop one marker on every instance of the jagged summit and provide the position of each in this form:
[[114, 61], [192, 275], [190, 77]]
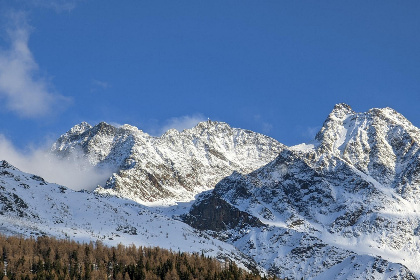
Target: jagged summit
[[210, 127], [343, 121], [79, 128], [341, 109], [175, 166], [102, 127], [210, 123], [380, 142], [391, 116], [173, 132], [335, 119]]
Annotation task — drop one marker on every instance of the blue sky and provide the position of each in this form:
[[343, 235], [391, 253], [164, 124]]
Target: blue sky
[[274, 67]]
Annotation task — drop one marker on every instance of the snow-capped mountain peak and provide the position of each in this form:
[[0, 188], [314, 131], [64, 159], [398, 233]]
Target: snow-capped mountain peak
[[79, 128], [350, 198], [381, 143], [175, 166], [341, 110]]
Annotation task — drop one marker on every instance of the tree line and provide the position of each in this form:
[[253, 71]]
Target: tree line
[[48, 258]]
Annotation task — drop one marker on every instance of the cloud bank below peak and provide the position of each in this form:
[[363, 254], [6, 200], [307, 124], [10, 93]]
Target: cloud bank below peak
[[76, 173]]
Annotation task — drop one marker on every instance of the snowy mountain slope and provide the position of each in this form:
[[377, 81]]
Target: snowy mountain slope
[[358, 267], [293, 241], [173, 167], [30, 206], [345, 206], [380, 142], [335, 202]]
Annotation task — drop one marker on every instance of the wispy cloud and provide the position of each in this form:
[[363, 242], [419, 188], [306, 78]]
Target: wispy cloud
[[266, 127], [57, 5], [307, 133], [75, 173], [180, 123], [96, 84], [22, 89], [311, 132]]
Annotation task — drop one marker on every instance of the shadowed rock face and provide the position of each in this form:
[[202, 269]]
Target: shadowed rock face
[[215, 214], [175, 166]]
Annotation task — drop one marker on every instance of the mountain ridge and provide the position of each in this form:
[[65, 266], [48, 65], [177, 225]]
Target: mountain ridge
[[175, 165], [341, 207]]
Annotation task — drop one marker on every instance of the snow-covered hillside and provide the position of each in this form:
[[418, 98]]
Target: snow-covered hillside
[[30, 206], [173, 167]]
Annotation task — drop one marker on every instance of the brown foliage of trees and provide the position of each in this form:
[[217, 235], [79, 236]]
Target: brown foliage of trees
[[53, 259]]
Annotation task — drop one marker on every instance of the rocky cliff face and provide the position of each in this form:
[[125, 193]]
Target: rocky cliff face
[[175, 166], [348, 199]]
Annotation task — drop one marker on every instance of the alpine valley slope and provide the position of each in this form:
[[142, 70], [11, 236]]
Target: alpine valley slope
[[173, 167], [30, 206], [346, 206]]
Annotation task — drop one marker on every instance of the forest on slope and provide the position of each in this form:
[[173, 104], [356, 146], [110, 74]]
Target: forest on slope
[[54, 259]]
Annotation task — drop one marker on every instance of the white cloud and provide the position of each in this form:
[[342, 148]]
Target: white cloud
[[96, 84], [181, 123], [266, 127], [22, 90], [75, 173]]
